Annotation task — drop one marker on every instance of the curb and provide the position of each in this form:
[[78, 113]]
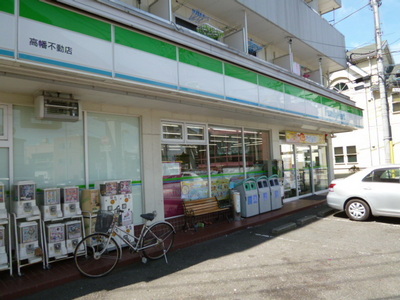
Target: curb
[[302, 221], [306, 220], [284, 228], [325, 212]]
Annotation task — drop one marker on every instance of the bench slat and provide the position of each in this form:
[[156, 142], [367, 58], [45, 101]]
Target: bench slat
[[202, 206], [199, 207]]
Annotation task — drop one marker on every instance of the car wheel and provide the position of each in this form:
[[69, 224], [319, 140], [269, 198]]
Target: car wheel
[[357, 210]]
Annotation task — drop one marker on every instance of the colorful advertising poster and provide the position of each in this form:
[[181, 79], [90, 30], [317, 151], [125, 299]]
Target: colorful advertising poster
[[192, 190], [304, 138], [220, 188]]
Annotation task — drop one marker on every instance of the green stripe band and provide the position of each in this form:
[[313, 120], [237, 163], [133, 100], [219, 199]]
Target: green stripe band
[[144, 43], [56, 16], [7, 6], [200, 60]]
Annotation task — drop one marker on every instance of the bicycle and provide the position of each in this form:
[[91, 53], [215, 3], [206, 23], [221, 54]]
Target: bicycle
[[101, 252]]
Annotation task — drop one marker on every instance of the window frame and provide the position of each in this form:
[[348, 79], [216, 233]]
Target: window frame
[[185, 133], [4, 119], [345, 154]]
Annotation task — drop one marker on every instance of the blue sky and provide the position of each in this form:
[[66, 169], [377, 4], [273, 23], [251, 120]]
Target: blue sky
[[359, 28]]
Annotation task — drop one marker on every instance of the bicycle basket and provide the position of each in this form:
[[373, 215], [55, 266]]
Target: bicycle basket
[[104, 220]]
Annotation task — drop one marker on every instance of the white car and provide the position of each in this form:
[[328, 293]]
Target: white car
[[374, 191]]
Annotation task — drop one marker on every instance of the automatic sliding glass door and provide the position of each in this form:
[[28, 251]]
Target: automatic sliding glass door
[[304, 170], [320, 168]]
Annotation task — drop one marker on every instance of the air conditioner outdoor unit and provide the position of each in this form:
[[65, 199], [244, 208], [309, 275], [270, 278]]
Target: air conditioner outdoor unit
[[57, 109]]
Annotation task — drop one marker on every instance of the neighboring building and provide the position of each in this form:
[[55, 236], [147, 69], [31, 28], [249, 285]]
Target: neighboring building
[[179, 113], [360, 82]]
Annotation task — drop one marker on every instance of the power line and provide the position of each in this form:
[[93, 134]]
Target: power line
[[351, 14]]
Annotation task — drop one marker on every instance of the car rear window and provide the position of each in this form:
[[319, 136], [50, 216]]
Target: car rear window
[[383, 175]]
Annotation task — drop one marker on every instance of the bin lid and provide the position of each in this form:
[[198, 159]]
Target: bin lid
[[261, 178]]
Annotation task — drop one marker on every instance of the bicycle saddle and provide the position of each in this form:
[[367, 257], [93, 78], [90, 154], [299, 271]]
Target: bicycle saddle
[[149, 216]]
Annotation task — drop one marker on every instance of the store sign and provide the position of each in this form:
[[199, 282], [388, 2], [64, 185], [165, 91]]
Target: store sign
[[304, 138], [51, 46], [43, 43], [395, 90]]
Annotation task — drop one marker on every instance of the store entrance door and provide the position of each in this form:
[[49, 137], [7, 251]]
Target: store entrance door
[[320, 168], [304, 167]]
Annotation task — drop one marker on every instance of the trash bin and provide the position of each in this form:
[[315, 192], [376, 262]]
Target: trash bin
[[264, 194], [236, 204], [276, 192], [248, 198]]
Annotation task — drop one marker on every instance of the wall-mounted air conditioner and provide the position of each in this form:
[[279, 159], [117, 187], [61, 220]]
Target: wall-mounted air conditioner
[[57, 109]]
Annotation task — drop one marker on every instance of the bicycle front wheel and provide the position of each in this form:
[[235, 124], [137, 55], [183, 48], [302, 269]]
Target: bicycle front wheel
[[100, 256], [158, 240]]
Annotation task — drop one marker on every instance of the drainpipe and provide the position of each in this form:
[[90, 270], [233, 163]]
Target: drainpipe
[[290, 55], [321, 77]]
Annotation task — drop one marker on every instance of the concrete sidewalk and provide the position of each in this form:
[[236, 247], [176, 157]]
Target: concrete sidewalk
[[36, 279]]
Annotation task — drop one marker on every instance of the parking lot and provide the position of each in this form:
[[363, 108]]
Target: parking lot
[[331, 258]]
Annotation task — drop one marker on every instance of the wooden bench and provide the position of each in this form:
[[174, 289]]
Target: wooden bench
[[194, 208]]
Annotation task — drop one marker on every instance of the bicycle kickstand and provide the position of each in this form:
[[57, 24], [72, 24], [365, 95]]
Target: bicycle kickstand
[[165, 256]]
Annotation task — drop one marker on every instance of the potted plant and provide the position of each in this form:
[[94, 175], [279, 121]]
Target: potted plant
[[210, 31]]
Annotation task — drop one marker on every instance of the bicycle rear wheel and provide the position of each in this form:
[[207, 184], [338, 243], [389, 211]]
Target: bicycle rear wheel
[[100, 256], [159, 238]]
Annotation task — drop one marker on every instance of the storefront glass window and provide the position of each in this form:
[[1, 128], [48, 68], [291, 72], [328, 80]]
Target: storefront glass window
[[226, 159], [114, 147], [195, 132], [257, 149], [114, 152], [172, 131], [320, 168], [51, 153], [185, 165], [289, 171], [303, 160], [184, 175]]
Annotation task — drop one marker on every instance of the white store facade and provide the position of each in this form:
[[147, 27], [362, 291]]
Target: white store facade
[[180, 115]]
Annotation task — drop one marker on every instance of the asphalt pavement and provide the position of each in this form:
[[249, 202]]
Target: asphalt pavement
[[325, 256]]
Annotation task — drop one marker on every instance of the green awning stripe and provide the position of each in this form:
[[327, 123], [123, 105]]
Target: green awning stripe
[[240, 73], [144, 43], [56, 16], [200, 60], [7, 6]]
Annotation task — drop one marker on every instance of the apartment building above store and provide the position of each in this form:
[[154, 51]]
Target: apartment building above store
[[289, 34]]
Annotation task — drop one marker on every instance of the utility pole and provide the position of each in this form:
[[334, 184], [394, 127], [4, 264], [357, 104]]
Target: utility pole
[[387, 136]]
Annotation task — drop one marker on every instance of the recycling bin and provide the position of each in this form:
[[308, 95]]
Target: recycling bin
[[264, 194], [248, 198], [276, 192]]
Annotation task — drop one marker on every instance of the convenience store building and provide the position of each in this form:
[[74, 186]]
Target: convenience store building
[[103, 90]]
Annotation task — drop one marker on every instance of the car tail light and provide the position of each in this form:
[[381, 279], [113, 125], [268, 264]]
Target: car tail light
[[331, 186]]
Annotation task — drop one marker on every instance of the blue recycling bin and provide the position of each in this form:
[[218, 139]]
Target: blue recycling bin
[[276, 192], [248, 197], [264, 194]]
